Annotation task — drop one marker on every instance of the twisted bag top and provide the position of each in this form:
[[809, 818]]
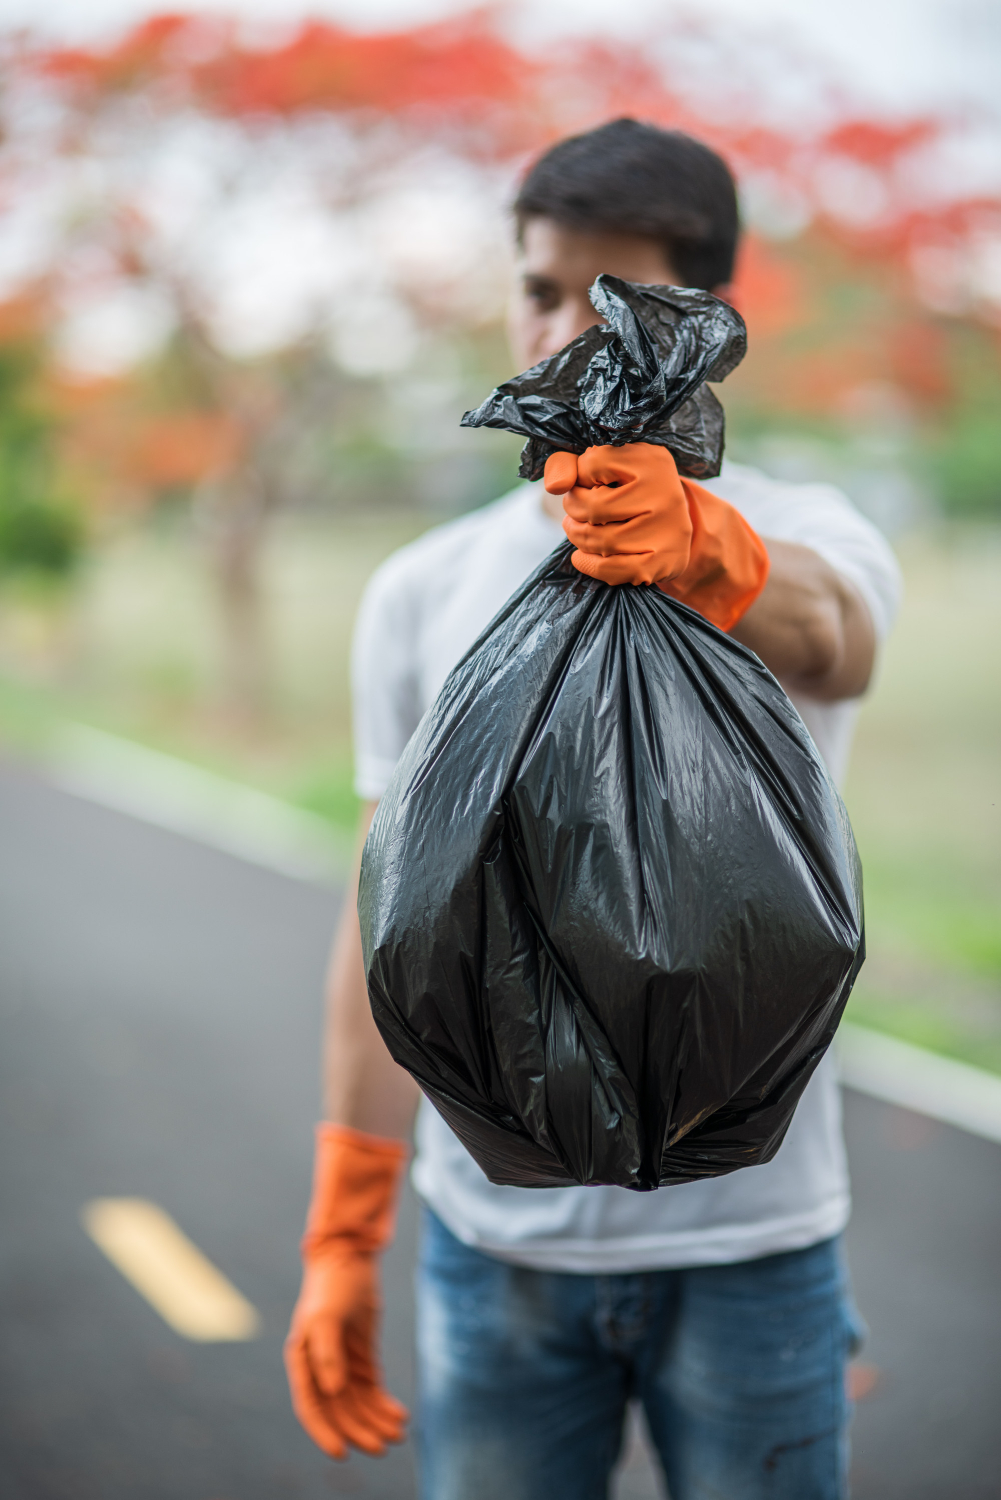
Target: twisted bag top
[[638, 378], [610, 903]]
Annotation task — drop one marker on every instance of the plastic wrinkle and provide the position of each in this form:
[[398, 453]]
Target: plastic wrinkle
[[637, 378], [610, 904], [622, 963]]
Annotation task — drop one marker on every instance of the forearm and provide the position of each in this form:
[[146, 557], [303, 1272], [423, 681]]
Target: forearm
[[331, 1352], [363, 1086], [810, 626]]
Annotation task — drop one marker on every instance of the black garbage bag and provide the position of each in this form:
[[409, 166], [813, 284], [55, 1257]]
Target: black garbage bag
[[611, 906], [638, 378]]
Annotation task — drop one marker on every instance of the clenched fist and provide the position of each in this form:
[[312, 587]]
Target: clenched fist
[[633, 519], [331, 1350]]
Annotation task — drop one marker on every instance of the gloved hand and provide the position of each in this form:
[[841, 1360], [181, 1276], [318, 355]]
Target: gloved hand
[[331, 1350], [633, 519]]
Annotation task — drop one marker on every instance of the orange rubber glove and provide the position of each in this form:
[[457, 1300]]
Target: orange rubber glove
[[633, 519], [331, 1351]]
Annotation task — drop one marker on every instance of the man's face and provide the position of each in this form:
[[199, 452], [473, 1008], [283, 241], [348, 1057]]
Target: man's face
[[550, 305]]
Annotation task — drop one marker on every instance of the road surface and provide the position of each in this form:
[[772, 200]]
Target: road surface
[[159, 1022]]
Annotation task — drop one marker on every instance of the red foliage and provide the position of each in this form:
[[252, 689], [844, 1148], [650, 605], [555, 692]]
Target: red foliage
[[141, 58], [769, 291], [463, 79], [463, 76], [177, 450], [324, 67], [459, 73], [876, 144], [127, 455], [917, 360], [25, 317], [453, 73]]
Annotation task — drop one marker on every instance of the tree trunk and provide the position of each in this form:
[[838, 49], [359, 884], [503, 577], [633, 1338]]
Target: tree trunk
[[238, 524]]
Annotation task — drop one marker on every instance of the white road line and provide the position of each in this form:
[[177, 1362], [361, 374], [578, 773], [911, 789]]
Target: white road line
[[903, 1074], [187, 799], [157, 1257]]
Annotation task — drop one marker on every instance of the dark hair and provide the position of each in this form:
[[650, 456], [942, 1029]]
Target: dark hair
[[630, 178]]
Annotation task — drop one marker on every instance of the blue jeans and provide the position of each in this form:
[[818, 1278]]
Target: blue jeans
[[524, 1376]]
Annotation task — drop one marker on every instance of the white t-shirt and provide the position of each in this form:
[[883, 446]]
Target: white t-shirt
[[421, 610]]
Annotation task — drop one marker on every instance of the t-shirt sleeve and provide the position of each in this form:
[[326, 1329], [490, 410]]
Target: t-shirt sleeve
[[827, 521], [384, 682], [822, 517]]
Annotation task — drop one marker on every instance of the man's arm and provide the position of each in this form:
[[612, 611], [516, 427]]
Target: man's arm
[[810, 626], [331, 1353], [363, 1087]]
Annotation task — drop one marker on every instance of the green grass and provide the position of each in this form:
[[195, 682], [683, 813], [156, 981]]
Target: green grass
[[329, 791], [924, 795], [28, 716], [133, 647]]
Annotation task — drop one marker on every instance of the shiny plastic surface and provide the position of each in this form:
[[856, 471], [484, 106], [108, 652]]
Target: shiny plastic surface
[[611, 906], [637, 378]]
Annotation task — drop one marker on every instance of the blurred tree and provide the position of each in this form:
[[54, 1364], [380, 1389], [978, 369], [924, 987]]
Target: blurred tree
[[372, 171], [965, 447], [40, 531]]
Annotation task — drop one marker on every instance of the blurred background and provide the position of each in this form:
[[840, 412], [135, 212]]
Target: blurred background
[[253, 268]]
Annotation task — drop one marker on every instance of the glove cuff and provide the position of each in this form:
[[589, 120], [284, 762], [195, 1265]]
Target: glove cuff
[[728, 563], [356, 1179]]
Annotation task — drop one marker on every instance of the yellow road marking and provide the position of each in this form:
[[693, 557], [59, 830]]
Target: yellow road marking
[[157, 1257]]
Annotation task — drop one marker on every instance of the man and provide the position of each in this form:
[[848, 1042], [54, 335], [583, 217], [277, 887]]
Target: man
[[722, 1305]]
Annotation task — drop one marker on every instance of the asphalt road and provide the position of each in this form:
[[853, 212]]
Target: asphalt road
[[159, 1021]]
